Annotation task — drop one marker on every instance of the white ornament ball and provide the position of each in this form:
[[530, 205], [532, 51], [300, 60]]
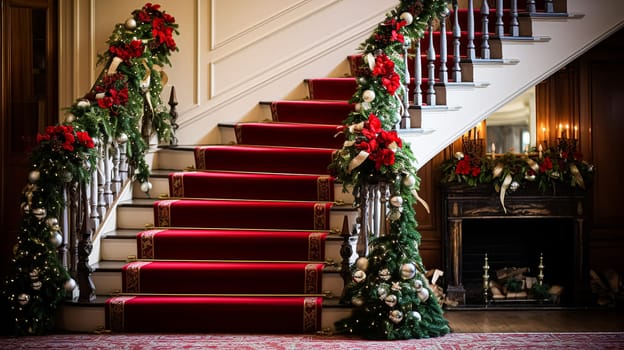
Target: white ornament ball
[[122, 138], [23, 299], [362, 263], [396, 316], [407, 17], [53, 223], [555, 175], [56, 239], [391, 300], [396, 201], [36, 285], [130, 23], [39, 213], [146, 186], [359, 276], [408, 271], [418, 284], [34, 176], [409, 181], [83, 104], [384, 274], [70, 285], [416, 315], [459, 155], [366, 105], [357, 300], [530, 177], [368, 96], [423, 294], [382, 291], [514, 185], [70, 118]]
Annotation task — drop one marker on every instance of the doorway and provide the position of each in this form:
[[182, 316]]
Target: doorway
[[29, 101]]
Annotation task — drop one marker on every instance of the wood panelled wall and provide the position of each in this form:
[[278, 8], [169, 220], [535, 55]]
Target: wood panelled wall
[[589, 94]]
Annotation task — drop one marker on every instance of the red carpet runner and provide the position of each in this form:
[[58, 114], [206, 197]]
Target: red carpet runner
[[240, 245]]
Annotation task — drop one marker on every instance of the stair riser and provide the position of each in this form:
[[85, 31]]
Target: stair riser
[[109, 283], [139, 217], [174, 160], [160, 186]]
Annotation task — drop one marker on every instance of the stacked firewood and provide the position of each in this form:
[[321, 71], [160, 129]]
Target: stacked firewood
[[607, 287], [514, 283]]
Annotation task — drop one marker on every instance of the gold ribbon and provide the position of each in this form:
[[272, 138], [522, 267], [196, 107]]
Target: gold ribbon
[[421, 201], [533, 165], [359, 159], [497, 171], [577, 178], [112, 69], [504, 187]]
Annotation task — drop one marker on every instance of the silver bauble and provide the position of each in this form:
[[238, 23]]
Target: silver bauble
[[146, 186], [408, 271], [362, 263], [529, 177], [56, 238], [396, 201], [25, 208], [382, 291], [368, 96], [416, 315], [394, 215], [514, 186], [36, 285], [409, 181], [34, 274], [396, 316], [418, 284], [23, 299], [384, 274], [423, 294], [39, 213], [130, 23], [66, 176], [407, 17], [459, 155], [122, 138], [391, 300], [357, 300], [555, 175], [53, 223], [34, 176], [70, 285], [359, 276], [83, 104]]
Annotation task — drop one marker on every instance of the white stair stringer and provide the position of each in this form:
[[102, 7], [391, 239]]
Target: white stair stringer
[[558, 41]]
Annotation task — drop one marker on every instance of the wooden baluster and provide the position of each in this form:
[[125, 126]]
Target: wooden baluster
[[362, 243], [101, 178], [530, 6], [385, 196], [514, 25], [74, 220], [500, 26], [108, 192], [116, 177], [346, 251], [548, 6], [457, 72], [173, 102], [123, 162], [431, 56], [443, 48], [84, 248], [63, 249], [485, 30], [405, 121], [93, 191], [418, 98], [471, 50]]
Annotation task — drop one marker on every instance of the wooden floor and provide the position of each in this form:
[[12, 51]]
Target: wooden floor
[[504, 321]]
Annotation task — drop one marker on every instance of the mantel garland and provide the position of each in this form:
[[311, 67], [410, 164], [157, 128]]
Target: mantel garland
[[126, 94], [390, 291]]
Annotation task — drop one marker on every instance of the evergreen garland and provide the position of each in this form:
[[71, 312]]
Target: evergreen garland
[[128, 88], [389, 290]]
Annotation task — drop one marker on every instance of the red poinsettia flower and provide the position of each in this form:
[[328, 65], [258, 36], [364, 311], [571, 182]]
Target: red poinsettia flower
[[463, 166], [384, 68], [85, 139], [546, 165]]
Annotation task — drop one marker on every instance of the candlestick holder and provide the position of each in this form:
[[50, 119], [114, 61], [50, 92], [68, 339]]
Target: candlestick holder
[[565, 144], [486, 279], [474, 147], [540, 268]]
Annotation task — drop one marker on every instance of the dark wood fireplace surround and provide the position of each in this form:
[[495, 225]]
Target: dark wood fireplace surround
[[482, 203]]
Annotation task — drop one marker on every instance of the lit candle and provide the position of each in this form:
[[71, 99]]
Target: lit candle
[[540, 149], [566, 130], [575, 135], [493, 149], [543, 133], [561, 130], [526, 149]]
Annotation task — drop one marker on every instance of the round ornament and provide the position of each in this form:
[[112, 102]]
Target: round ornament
[[362, 80], [70, 118], [122, 138], [70, 284], [357, 107], [34, 274], [416, 315], [67, 176], [368, 96], [459, 155], [418, 284], [529, 177], [53, 224], [23, 299], [514, 185], [391, 300], [396, 316], [56, 239], [409, 181], [359, 276], [36, 285], [384, 274], [555, 175], [357, 300], [34, 176], [396, 201], [394, 215], [146, 186], [382, 291], [423, 294], [39, 213], [408, 271], [25, 208], [362, 263], [130, 23], [83, 104], [407, 17]]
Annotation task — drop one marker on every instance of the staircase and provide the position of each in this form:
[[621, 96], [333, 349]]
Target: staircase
[[548, 43]]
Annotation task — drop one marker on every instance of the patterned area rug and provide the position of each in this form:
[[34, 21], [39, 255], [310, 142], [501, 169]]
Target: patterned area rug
[[455, 341]]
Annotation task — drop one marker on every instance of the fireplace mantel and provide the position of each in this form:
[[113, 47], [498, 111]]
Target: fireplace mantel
[[463, 202]]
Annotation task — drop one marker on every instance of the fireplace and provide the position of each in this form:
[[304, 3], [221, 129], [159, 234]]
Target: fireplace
[[537, 228]]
